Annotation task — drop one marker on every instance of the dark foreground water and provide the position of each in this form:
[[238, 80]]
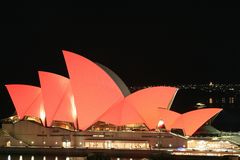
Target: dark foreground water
[[42, 157]]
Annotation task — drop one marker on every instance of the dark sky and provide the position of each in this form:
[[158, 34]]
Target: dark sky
[[144, 43]]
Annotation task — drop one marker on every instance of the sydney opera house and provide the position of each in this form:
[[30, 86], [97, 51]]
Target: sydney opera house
[[93, 108]]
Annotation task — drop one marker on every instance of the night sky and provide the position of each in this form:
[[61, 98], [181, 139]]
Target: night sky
[[144, 43]]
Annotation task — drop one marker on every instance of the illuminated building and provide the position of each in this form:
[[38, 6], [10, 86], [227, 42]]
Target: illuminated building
[[94, 108]]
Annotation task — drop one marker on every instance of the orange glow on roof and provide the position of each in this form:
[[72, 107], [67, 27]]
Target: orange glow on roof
[[91, 95], [153, 97], [168, 117], [122, 113], [94, 91], [149, 101], [127, 110], [193, 120], [58, 97]]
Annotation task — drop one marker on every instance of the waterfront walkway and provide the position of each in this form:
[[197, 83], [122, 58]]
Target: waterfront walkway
[[122, 153]]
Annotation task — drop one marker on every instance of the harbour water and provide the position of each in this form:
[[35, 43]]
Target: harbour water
[[56, 157], [38, 157], [227, 120]]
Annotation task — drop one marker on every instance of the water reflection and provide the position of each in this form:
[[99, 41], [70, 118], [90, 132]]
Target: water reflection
[[32, 157], [35, 157]]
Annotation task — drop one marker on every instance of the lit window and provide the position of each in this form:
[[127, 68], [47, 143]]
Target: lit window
[[8, 143]]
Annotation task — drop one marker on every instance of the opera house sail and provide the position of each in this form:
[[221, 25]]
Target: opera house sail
[[94, 108]]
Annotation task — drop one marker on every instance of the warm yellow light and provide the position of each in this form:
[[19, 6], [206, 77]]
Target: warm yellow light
[[160, 123], [42, 114], [74, 111]]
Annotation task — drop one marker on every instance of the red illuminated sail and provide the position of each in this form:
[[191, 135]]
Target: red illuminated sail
[[149, 101], [58, 98], [27, 100], [191, 121], [94, 91], [129, 110]]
